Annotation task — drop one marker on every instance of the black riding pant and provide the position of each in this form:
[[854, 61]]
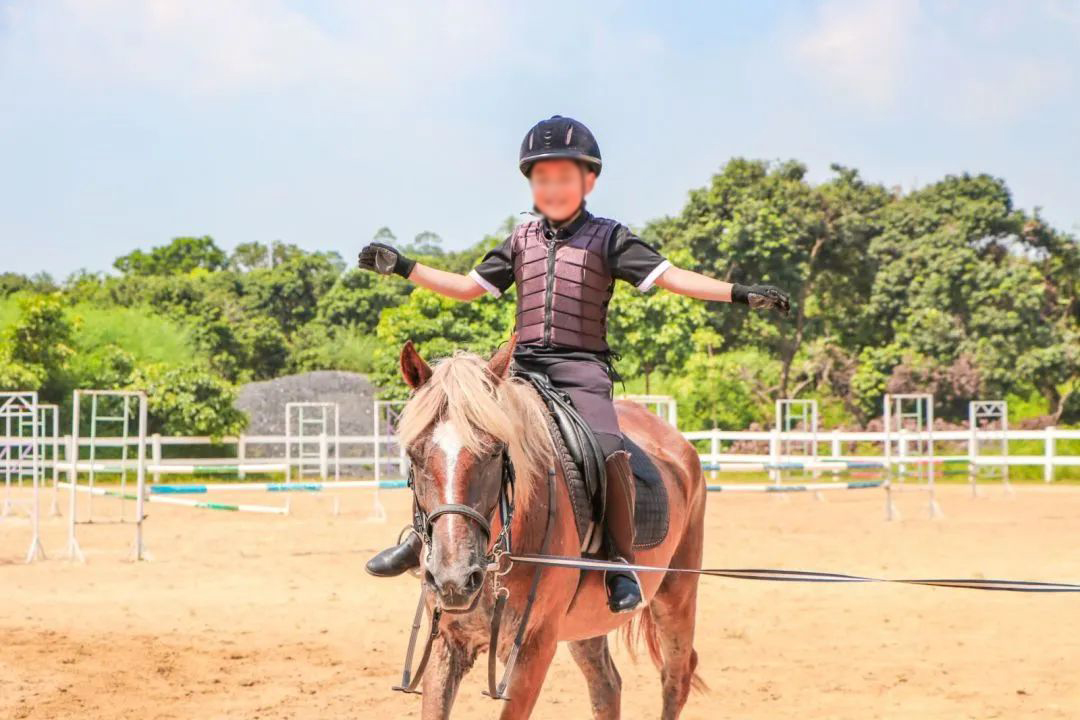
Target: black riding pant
[[590, 389]]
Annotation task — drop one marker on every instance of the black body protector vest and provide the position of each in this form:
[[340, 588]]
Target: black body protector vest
[[563, 285]]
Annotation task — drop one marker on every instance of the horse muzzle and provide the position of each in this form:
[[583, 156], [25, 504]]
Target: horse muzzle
[[456, 588]]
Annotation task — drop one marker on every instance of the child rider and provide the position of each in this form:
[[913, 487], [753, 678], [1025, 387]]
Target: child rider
[[565, 265]]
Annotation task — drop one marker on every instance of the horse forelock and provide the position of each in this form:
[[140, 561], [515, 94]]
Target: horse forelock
[[463, 392]]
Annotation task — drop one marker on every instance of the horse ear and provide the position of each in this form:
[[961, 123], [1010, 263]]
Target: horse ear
[[499, 364], [413, 368]]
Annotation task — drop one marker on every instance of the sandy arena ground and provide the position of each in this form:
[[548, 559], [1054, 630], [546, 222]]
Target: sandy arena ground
[[252, 616]]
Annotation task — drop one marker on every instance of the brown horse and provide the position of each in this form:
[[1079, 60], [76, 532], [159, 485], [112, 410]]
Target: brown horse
[[463, 414]]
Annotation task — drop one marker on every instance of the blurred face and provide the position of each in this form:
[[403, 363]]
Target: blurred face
[[558, 187]]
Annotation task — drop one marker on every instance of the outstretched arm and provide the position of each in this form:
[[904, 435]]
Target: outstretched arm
[[384, 259], [634, 260], [694, 284], [450, 284]]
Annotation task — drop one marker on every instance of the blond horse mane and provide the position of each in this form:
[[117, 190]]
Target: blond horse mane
[[462, 390]]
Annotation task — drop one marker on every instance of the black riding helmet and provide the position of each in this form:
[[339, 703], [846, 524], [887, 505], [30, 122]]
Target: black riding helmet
[[559, 137]]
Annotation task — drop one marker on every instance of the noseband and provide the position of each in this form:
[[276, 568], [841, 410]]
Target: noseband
[[424, 522]]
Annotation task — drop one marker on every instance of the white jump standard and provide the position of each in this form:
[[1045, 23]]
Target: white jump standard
[[124, 399], [982, 415], [323, 417], [919, 409], [21, 451], [795, 436]]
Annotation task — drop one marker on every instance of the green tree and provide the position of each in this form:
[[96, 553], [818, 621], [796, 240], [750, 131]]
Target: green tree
[[188, 400], [358, 297], [289, 292], [38, 346], [181, 256], [956, 293], [727, 390], [653, 331], [425, 243], [248, 256], [437, 326], [758, 222]]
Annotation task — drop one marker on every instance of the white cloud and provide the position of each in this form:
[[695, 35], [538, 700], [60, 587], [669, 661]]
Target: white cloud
[[250, 45], [859, 48], [963, 63], [1004, 89]]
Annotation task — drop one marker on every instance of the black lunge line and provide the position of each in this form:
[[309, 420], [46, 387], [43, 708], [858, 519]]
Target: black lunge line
[[798, 575]]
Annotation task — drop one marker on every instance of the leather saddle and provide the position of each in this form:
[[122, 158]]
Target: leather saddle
[[586, 479]]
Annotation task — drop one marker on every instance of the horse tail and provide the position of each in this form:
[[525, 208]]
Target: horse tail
[[696, 681], [643, 627]]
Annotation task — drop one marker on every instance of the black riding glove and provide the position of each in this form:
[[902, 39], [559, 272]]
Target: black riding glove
[[384, 259], [765, 297]]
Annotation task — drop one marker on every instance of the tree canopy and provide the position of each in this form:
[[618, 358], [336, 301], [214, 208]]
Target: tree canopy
[[948, 288]]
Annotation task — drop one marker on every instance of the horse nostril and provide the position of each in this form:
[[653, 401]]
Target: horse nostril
[[430, 579], [475, 578]]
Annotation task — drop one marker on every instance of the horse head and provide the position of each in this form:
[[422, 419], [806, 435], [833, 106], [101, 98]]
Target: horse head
[[465, 423]]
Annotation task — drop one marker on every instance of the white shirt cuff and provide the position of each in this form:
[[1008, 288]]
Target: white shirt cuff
[[484, 283], [651, 277]]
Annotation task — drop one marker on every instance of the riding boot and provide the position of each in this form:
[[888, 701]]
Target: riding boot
[[398, 558], [623, 588]]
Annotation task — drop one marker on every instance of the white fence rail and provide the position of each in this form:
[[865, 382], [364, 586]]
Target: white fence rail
[[836, 440], [366, 456]]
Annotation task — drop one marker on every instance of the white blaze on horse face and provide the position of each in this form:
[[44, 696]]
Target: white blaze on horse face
[[448, 440]]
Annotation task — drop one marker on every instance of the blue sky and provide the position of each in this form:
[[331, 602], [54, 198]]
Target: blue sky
[[124, 123]]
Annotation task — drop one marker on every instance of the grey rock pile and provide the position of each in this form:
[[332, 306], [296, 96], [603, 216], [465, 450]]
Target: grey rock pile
[[264, 402]]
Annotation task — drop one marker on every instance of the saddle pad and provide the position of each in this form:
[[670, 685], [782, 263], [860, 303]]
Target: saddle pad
[[651, 515]]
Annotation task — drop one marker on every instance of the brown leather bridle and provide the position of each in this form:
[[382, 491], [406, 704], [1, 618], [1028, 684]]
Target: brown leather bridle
[[498, 553]]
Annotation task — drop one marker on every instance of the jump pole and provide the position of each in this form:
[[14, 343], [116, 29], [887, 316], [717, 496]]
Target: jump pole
[[163, 500], [276, 487], [805, 487], [174, 468]]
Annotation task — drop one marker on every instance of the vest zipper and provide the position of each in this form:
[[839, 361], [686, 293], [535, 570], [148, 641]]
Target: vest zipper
[[548, 287]]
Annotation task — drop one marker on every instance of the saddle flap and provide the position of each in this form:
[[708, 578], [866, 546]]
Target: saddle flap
[[577, 435], [585, 471]]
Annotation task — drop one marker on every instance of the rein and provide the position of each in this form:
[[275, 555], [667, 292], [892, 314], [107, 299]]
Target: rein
[[500, 549]]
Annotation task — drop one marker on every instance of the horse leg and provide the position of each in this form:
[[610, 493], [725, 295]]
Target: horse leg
[[449, 662], [529, 673], [605, 685], [674, 618], [673, 614]]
